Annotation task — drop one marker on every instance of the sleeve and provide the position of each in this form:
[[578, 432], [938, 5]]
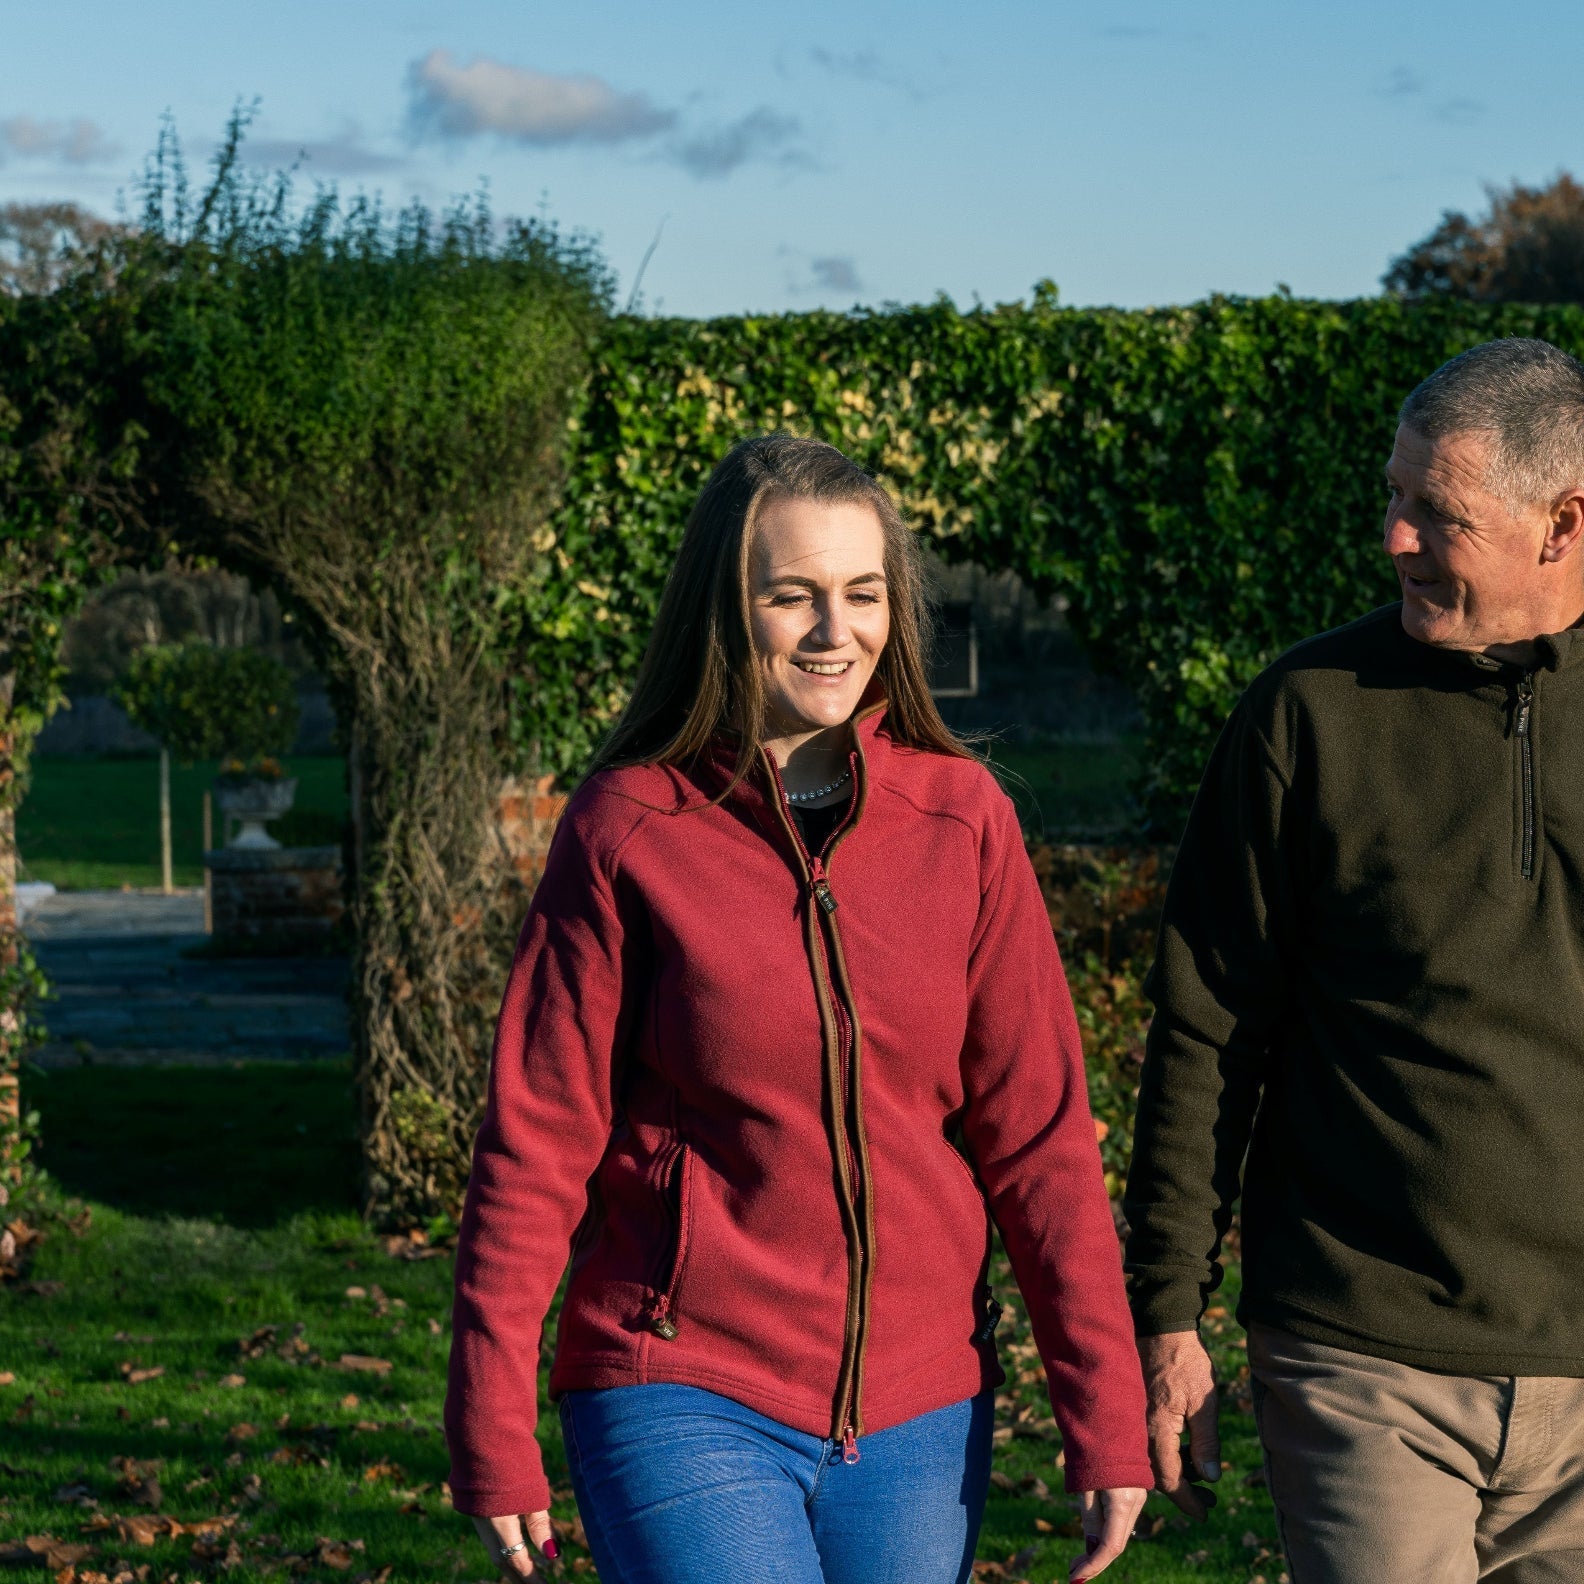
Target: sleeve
[[1221, 988], [1028, 1127], [553, 1081]]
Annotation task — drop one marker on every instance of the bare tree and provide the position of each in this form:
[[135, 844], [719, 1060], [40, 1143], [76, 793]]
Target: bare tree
[[1529, 247], [39, 242]]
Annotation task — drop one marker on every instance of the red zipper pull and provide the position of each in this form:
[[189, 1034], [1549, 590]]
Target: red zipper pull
[[660, 1321], [849, 1446]]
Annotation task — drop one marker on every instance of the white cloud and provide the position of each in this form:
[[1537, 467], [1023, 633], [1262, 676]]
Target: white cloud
[[78, 142], [450, 100], [762, 133]]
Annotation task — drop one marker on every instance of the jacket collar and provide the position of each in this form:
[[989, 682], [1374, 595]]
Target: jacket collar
[[756, 790], [1554, 652]]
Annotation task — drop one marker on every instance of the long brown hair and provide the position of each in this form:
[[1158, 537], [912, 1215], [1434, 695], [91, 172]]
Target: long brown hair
[[699, 675]]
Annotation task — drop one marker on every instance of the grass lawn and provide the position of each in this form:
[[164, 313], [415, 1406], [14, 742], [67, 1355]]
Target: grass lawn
[[224, 1257], [95, 822]]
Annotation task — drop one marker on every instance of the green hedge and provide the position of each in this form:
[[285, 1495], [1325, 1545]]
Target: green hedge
[[1203, 483]]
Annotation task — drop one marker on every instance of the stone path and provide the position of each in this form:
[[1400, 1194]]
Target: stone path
[[124, 993]]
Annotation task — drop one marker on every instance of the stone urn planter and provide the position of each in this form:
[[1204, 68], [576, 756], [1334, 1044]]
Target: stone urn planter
[[253, 801]]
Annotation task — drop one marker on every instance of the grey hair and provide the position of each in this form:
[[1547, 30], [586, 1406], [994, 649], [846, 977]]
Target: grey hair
[[1528, 396]]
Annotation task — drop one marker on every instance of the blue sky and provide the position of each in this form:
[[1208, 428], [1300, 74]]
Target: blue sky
[[822, 154]]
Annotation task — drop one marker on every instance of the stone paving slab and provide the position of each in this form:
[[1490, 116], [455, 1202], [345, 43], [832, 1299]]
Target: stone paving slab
[[125, 993]]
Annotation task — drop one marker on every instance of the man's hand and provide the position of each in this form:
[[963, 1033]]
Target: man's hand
[[1179, 1384], [503, 1539]]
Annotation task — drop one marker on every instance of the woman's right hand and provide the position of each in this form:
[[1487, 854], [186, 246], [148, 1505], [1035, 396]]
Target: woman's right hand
[[502, 1535]]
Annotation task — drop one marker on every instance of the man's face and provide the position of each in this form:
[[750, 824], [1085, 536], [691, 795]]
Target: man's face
[[1471, 567]]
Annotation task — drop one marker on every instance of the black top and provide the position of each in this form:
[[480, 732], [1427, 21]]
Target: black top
[[816, 824], [1371, 977]]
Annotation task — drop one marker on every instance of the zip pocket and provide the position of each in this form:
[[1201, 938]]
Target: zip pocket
[[663, 1306]]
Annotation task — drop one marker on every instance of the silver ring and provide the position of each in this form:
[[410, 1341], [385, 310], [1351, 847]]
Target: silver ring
[[512, 1550]]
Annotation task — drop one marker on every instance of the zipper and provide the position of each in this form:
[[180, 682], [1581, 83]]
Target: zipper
[[662, 1307], [843, 1036], [1521, 725]]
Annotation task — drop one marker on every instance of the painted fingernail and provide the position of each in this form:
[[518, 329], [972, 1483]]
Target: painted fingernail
[[1210, 1469], [551, 1549]]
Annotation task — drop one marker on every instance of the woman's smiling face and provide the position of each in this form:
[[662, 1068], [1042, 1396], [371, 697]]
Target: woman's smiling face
[[818, 610]]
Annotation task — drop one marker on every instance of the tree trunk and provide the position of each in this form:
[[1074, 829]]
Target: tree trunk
[[165, 823]]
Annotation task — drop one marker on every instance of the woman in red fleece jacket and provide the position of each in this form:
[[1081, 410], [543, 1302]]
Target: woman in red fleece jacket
[[786, 1029]]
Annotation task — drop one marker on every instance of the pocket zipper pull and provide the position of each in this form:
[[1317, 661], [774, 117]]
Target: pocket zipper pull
[[987, 1326], [660, 1321], [850, 1452]]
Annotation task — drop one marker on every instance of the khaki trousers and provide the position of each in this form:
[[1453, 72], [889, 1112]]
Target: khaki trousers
[[1386, 1474]]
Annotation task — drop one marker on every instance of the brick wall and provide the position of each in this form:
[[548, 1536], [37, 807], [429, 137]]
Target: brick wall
[[278, 893], [525, 816]]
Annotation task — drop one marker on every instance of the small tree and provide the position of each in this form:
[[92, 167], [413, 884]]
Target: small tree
[[1529, 247], [199, 702]]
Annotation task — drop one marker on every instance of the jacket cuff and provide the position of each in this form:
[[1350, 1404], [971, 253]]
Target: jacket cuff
[[532, 1496], [1107, 1474], [1163, 1306]]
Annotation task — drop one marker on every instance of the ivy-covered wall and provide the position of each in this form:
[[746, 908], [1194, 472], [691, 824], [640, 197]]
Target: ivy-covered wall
[[1203, 483]]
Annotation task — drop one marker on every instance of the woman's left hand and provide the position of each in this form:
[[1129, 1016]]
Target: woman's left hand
[[1108, 1519]]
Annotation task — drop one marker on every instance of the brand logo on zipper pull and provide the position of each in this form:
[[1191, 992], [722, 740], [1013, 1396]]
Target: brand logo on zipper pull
[[821, 887]]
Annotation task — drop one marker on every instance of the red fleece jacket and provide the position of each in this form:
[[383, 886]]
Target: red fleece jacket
[[727, 1081]]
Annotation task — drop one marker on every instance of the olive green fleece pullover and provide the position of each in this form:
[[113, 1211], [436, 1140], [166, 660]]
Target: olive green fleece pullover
[[1371, 981]]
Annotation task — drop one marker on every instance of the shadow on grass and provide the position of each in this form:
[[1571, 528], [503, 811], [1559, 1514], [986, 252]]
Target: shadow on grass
[[251, 1144]]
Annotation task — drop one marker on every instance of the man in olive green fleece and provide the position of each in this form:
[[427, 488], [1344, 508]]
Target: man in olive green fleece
[[1370, 984]]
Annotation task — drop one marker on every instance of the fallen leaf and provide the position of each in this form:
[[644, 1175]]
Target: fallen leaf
[[1044, 1526], [357, 1292], [241, 1432], [46, 1551], [232, 1381], [350, 1400], [134, 1376], [145, 1529], [257, 1345], [138, 1481], [379, 1471], [7, 1378], [365, 1363]]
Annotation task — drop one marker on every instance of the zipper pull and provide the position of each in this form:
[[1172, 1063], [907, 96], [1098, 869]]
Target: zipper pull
[[1525, 699], [820, 886], [660, 1321], [987, 1326], [849, 1446]]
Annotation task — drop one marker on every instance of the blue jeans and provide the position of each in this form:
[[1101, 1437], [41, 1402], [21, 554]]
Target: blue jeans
[[680, 1486]]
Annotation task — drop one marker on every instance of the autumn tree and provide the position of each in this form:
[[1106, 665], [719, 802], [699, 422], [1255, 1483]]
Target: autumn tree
[[1528, 247], [39, 244]]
